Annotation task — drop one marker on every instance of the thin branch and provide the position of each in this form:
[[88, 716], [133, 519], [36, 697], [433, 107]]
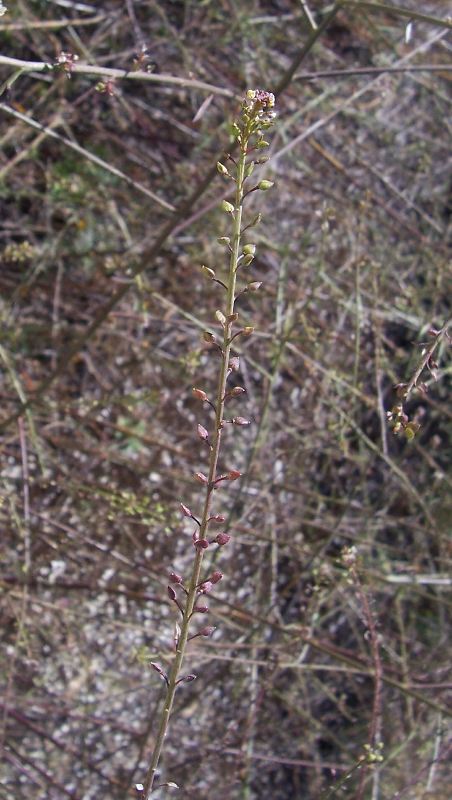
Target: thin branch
[[400, 12], [350, 73], [117, 74], [85, 153], [51, 24]]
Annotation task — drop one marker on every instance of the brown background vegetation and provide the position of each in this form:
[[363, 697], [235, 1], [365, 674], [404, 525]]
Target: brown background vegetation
[[102, 316]]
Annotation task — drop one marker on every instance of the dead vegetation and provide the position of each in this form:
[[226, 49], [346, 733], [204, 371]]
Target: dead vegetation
[[109, 202]]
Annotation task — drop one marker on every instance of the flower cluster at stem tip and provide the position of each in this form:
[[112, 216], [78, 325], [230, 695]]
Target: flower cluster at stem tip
[[257, 115]]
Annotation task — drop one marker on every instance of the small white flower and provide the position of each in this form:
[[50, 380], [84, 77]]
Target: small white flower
[[3, 9]]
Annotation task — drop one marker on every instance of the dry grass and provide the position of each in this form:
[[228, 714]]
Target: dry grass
[[353, 256]]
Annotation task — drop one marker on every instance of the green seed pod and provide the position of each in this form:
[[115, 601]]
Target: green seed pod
[[209, 273], [255, 221], [222, 169], [249, 249], [227, 206], [264, 185]]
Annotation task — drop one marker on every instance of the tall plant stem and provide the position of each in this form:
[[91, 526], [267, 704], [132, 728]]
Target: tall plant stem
[[173, 677]]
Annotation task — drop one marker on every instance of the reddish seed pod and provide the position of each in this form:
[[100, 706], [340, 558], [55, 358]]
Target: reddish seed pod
[[217, 518], [201, 477], [187, 679], [206, 631], [171, 593], [199, 394], [201, 544], [186, 511], [202, 432], [201, 609], [222, 539], [205, 587], [216, 576], [233, 474], [175, 578]]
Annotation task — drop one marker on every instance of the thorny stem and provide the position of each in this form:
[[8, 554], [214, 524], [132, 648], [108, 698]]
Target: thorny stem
[[193, 589]]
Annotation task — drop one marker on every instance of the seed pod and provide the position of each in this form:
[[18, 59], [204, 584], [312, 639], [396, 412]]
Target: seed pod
[[209, 273], [222, 169], [233, 474], [203, 433], [227, 206], [246, 260], [207, 631], [201, 544]]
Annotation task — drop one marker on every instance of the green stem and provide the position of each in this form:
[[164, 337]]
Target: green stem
[[173, 676]]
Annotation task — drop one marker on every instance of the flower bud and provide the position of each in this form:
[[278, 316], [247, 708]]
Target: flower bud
[[248, 330], [201, 477], [236, 391], [199, 394], [219, 316], [224, 240], [171, 593], [254, 286], [175, 578], [186, 511], [216, 576], [222, 539], [208, 338], [205, 587], [240, 421], [234, 363], [249, 249]]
